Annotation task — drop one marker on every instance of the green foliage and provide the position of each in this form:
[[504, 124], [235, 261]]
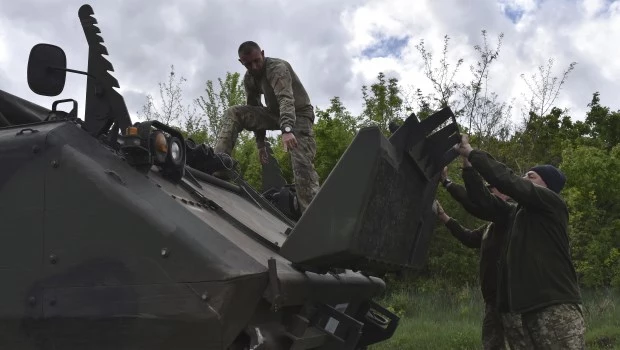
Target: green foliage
[[334, 131], [592, 194], [206, 125], [588, 151], [603, 125], [246, 154], [384, 105]]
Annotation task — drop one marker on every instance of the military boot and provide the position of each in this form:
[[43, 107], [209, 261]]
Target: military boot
[[202, 157], [227, 167]]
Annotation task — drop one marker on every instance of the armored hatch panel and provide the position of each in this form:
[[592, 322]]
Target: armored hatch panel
[[15, 110], [374, 211], [98, 255]]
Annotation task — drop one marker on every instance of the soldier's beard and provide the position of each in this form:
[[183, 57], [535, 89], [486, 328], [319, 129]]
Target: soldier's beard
[[256, 73]]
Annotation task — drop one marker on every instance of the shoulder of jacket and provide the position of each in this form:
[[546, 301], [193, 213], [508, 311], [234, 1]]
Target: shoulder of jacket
[[247, 78], [555, 200], [275, 65]]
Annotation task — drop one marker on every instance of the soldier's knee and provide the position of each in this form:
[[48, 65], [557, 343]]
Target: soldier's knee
[[232, 113]]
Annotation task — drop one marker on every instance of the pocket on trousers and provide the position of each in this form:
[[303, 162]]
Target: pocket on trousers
[[570, 328]]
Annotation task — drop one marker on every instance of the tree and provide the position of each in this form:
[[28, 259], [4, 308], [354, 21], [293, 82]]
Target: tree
[[602, 125], [588, 152], [171, 110], [442, 78], [335, 129], [487, 117], [480, 110], [545, 89], [382, 103], [214, 104], [592, 192]]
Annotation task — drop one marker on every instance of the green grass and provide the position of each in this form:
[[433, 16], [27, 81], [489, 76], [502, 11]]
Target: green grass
[[452, 320], [602, 319]]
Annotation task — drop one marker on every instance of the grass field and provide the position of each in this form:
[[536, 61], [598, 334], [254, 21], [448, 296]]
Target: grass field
[[442, 320]]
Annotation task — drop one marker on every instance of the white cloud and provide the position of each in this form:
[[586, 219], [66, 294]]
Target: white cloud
[[323, 39], [553, 29]]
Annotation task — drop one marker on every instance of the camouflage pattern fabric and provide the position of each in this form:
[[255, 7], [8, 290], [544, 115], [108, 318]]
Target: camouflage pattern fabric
[[516, 336], [559, 326], [492, 329], [255, 118], [284, 93], [238, 118]]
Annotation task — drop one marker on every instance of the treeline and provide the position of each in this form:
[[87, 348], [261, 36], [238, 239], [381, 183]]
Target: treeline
[[586, 150]]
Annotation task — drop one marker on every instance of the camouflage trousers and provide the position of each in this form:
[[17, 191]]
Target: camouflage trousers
[[559, 326], [255, 118], [492, 329]]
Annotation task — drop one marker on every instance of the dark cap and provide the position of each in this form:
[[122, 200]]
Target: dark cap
[[552, 176]]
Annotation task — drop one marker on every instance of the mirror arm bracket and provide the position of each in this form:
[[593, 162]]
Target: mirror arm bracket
[[99, 89], [71, 70]]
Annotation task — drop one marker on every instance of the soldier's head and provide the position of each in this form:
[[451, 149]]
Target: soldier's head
[[547, 175], [252, 57]]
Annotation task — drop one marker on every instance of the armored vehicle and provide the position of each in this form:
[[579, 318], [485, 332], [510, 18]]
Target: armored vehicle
[[115, 234]]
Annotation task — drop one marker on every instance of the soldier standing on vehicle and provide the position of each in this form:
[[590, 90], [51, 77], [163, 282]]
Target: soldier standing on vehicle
[[288, 110], [489, 238], [537, 280]]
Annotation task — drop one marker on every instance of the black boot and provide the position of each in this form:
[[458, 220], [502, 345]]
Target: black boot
[[202, 157], [227, 166]]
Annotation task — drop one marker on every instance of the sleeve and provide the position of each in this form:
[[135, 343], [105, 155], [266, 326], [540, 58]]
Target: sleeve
[[253, 99], [459, 193], [493, 207], [282, 84], [469, 238], [519, 189]]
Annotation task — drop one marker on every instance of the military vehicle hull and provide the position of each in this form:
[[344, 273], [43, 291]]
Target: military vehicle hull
[[113, 240], [104, 256]]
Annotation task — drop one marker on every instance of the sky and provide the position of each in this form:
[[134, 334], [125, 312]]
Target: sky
[[335, 47]]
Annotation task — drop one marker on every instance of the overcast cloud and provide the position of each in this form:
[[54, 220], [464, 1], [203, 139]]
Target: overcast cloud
[[334, 46]]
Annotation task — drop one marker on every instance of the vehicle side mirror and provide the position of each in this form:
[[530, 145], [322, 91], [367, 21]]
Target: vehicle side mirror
[[47, 66]]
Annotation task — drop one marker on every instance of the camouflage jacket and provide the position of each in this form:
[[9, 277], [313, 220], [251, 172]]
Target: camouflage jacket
[[284, 93]]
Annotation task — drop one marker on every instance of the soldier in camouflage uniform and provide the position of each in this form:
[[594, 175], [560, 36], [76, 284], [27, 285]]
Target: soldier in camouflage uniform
[[538, 292], [479, 201], [288, 109]]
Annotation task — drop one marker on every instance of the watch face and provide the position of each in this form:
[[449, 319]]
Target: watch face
[[287, 129]]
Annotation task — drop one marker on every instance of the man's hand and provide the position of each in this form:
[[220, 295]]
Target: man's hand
[[438, 210], [464, 148], [262, 155], [444, 174], [466, 163], [289, 141]]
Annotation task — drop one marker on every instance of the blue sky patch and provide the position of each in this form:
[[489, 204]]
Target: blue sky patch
[[389, 46], [513, 13]]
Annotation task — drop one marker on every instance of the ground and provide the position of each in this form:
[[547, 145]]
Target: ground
[[452, 320]]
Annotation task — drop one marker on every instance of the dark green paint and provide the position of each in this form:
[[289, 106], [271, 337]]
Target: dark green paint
[[106, 248]]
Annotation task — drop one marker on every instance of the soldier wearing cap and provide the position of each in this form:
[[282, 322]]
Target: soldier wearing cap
[[538, 291], [478, 199]]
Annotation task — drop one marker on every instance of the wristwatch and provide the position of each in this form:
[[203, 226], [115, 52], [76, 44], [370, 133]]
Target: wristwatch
[[446, 182], [287, 129]]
